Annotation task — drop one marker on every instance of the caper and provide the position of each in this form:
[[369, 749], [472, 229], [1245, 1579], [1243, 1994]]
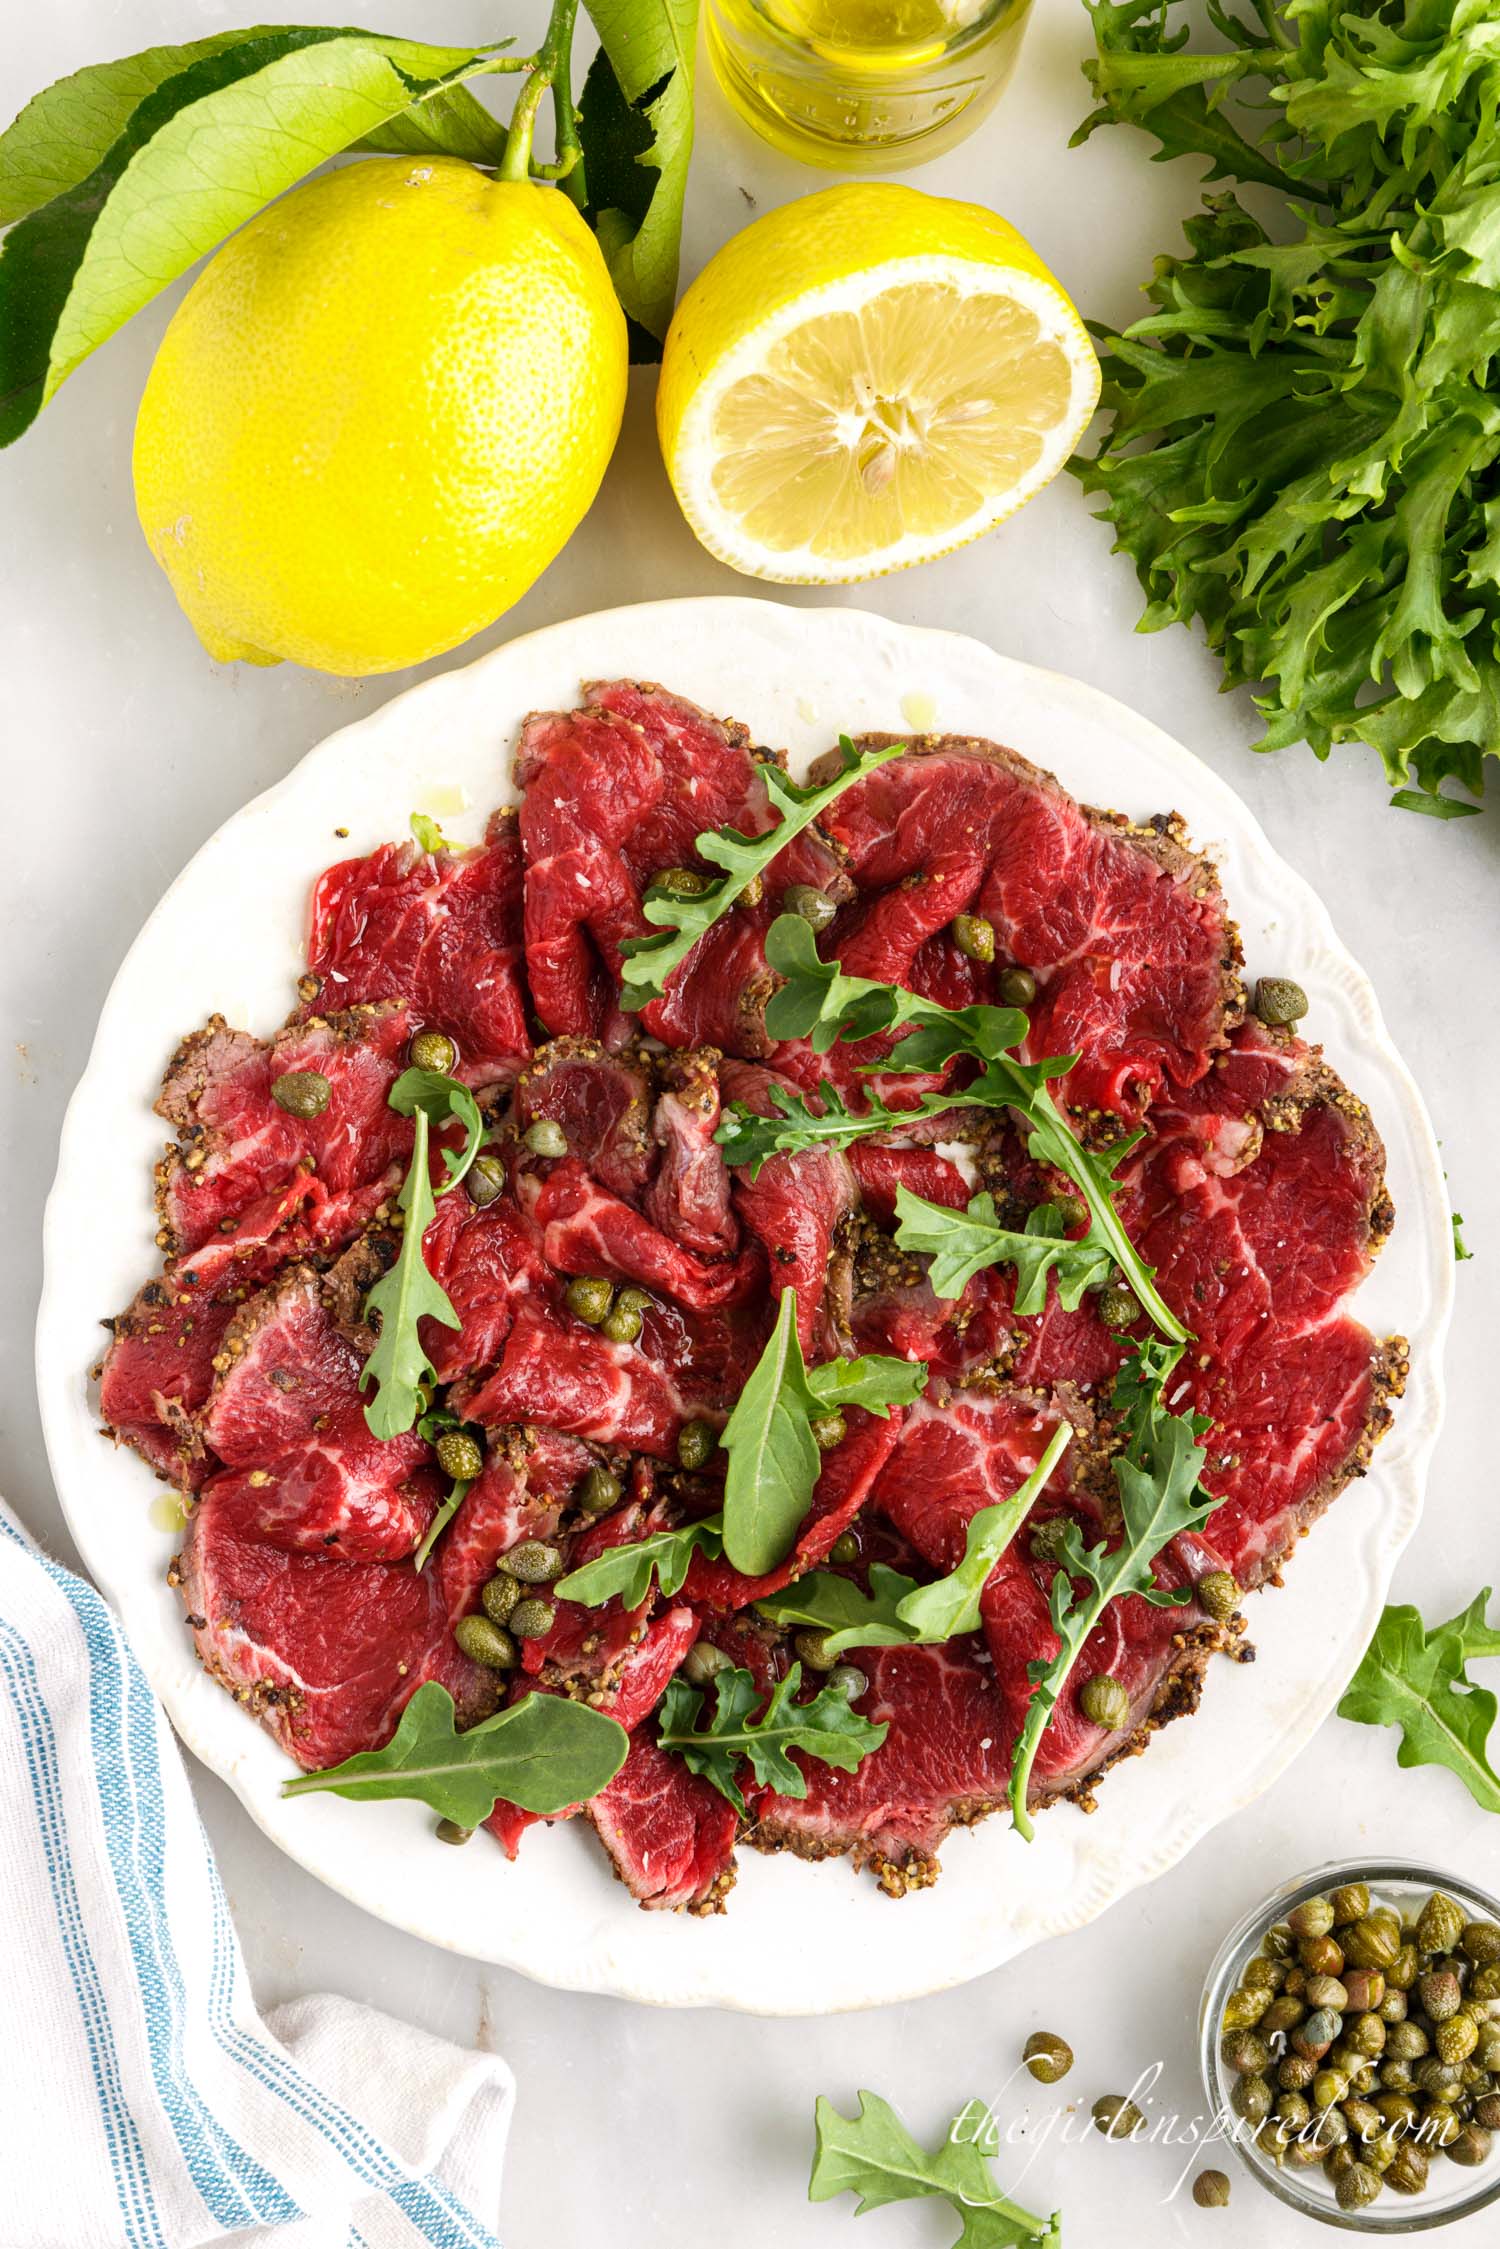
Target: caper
[[1438, 2078], [1296, 1980], [449, 1831], [1047, 2057], [1396, 2076], [1250, 2098], [485, 1178], [1373, 1941], [1487, 2052], [433, 1050], [1366, 1988], [1487, 2111], [1303, 2151], [1295, 2072], [1337, 2162], [1046, 1541], [1116, 2117], [1104, 1702], [1330, 2129], [302, 1093], [1294, 2110], [1366, 2034], [1456, 2039], [1440, 1923], [1326, 1991], [1211, 2190], [697, 1442], [814, 1650], [1317, 2034], [1396, 2108], [1321, 1956], [624, 1322], [1350, 1902], [1403, 1970], [460, 1456], [1329, 2087], [1278, 1942], [1118, 1309], [530, 1619], [1357, 2187], [1016, 987], [1279, 1001], [1406, 2042], [845, 1549], [1244, 2008], [1284, 2013], [1439, 1993], [1393, 2007], [534, 1562], [1218, 1595], [1408, 2169], [486, 1643], [1072, 1212], [1246, 2053], [599, 1490], [703, 1662], [848, 1680], [1440, 2127], [1485, 1982], [816, 908], [682, 882], [545, 1137], [1362, 2117], [1271, 2140], [1469, 2146], [1480, 1943], [499, 1596], [974, 937], [1263, 1973]]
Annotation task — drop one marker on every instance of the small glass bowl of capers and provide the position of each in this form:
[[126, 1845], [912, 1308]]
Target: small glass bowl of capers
[[1350, 2042]]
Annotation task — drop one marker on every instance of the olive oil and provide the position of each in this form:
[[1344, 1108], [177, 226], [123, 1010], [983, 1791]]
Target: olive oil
[[883, 82]]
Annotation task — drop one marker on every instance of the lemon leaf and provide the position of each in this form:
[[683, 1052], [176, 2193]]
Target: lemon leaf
[[196, 156], [649, 46]]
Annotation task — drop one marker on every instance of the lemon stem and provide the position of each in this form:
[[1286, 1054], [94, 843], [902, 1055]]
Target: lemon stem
[[550, 72]]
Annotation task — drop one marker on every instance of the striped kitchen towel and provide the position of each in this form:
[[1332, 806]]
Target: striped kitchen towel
[[144, 2103]]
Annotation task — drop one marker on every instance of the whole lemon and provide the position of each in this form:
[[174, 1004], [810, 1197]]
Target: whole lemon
[[378, 414]]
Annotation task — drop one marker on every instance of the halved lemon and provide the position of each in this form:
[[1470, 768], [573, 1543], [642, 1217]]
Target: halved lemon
[[864, 379]]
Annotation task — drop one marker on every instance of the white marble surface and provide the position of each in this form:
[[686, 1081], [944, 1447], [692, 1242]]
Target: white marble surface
[[124, 747]]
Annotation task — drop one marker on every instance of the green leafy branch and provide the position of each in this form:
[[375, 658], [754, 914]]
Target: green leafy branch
[[1157, 1471], [962, 1243], [828, 1728], [1418, 1680], [874, 2156]]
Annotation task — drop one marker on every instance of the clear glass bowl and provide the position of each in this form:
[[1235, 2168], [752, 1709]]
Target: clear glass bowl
[[1452, 2192]]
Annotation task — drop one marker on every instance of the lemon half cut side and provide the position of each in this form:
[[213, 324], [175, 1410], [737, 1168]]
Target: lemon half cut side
[[863, 420]]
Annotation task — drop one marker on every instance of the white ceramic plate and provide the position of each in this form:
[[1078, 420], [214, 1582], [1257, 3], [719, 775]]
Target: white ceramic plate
[[796, 1938]]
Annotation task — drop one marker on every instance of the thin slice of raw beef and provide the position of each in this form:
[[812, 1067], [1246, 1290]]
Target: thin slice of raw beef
[[689, 1196], [795, 1207], [586, 1229], [669, 1834], [556, 1371], [603, 1104], [844, 1483], [439, 930]]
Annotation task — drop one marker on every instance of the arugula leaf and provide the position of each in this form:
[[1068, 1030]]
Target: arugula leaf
[[458, 1493], [428, 834], [773, 1455], [628, 1570], [961, 1244], [680, 922], [438, 1098], [398, 1366], [1461, 1251], [1157, 1473], [898, 1612], [818, 1002], [636, 125], [873, 2155], [204, 146], [1418, 1680], [828, 1729], [542, 1753]]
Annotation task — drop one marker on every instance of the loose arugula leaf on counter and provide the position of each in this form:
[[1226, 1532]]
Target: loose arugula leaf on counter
[[898, 1612], [543, 1753], [680, 922], [1418, 1680], [773, 1455], [963, 1243], [628, 1570], [874, 2156], [828, 1729], [398, 1366], [1157, 1472]]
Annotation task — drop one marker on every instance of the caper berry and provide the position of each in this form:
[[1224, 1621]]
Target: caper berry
[[697, 1442], [1358, 2186], [1047, 2057], [1016, 987], [460, 1456], [828, 1430], [1116, 2117], [485, 1178], [599, 1491], [499, 1597], [1118, 1309], [682, 882], [1104, 1702], [974, 937], [845, 1549], [814, 1650], [703, 1662], [816, 908], [530, 1619], [1278, 1001], [302, 1093], [434, 1051], [1218, 1595], [1312, 1918], [1350, 1902], [1480, 1943], [589, 1298], [848, 1680], [1440, 1923], [1211, 2190], [449, 1831], [534, 1562], [545, 1137], [486, 1643], [1250, 2098]]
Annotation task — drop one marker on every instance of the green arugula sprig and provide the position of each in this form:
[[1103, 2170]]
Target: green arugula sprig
[[899, 1612], [1157, 1471], [874, 2156], [1418, 1680], [542, 1753], [962, 1243], [627, 1571], [818, 1001], [772, 1452], [680, 922], [828, 1729], [399, 1367], [428, 834]]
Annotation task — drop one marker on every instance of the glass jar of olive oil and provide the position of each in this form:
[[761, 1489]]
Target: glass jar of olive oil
[[880, 82]]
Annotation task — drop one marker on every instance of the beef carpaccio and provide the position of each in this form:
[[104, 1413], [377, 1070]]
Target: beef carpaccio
[[1256, 1191]]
